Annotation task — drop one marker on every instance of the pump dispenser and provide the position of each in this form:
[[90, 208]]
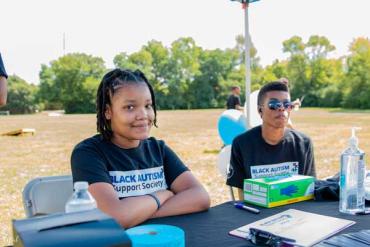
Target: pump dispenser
[[353, 141], [352, 176]]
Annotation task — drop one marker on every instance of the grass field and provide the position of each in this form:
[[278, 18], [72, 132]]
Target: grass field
[[192, 134]]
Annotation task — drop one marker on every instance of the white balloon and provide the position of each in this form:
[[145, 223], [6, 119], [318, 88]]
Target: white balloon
[[223, 161], [253, 110]]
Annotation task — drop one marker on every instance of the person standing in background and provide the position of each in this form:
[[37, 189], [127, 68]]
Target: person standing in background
[[233, 101], [3, 83]]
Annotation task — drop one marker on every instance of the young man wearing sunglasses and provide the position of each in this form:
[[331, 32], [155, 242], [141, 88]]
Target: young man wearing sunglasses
[[271, 149]]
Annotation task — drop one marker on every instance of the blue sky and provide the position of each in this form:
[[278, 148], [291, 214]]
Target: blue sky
[[32, 30]]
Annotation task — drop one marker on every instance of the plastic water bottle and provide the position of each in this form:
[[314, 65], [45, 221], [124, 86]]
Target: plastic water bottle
[[367, 186], [352, 178], [81, 199]]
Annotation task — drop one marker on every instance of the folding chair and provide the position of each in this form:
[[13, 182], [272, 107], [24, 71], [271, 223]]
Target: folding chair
[[46, 195], [223, 164]]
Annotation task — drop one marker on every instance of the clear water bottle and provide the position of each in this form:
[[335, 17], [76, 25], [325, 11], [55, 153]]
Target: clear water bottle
[[81, 199], [367, 186], [352, 178]]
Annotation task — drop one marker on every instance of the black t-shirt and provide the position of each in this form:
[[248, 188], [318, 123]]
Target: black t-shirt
[[150, 167], [232, 101], [252, 157]]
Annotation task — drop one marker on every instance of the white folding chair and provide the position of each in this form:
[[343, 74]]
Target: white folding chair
[[223, 164], [46, 195]]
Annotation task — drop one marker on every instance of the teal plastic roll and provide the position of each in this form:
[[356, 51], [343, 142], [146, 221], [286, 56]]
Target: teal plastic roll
[[156, 236]]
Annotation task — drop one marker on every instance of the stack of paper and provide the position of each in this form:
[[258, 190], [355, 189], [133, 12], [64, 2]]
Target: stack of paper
[[305, 228]]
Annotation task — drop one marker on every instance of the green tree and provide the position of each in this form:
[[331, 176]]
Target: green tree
[[152, 59], [273, 72], [332, 94], [210, 87], [160, 62], [123, 61], [73, 80], [240, 48], [297, 66], [49, 93], [358, 75], [21, 96], [310, 72], [182, 67]]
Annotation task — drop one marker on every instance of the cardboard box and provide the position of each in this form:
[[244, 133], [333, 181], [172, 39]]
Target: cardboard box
[[277, 191]]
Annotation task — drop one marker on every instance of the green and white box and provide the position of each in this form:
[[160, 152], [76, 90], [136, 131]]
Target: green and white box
[[276, 191]]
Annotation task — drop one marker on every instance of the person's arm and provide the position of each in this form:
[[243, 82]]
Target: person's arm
[[240, 195], [309, 162], [3, 90], [190, 197], [238, 104], [3, 83], [296, 104], [88, 164], [289, 124], [130, 211], [238, 107]]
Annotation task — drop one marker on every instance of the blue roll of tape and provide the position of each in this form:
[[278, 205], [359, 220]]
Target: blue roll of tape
[[156, 236]]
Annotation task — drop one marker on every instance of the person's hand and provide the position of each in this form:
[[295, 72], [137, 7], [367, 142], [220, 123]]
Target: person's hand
[[296, 104], [164, 195], [284, 80]]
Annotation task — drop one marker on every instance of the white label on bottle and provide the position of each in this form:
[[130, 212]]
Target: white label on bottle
[[281, 169], [138, 182]]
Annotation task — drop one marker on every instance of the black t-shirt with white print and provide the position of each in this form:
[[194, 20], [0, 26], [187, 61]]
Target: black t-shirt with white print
[[150, 167], [252, 157]]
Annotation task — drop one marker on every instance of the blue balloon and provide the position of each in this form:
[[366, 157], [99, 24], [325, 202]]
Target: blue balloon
[[231, 124]]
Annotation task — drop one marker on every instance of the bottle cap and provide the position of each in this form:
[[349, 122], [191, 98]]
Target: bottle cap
[[81, 185]]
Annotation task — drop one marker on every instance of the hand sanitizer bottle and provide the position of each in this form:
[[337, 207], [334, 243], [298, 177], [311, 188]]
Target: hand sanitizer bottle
[[352, 176]]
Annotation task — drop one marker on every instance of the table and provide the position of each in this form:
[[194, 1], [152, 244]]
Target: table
[[211, 228]]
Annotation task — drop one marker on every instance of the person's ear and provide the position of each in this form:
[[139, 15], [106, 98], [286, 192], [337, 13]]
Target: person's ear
[[260, 111], [108, 112]]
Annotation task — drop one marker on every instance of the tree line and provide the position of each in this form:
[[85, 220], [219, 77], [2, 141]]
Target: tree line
[[186, 76]]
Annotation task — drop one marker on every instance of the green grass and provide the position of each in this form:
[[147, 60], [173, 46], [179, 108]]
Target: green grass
[[192, 134]]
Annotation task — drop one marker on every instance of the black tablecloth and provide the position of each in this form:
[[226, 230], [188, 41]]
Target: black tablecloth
[[211, 228]]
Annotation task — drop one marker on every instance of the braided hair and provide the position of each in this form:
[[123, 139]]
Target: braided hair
[[110, 83]]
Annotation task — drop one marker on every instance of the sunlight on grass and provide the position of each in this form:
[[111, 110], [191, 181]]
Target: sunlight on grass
[[192, 134]]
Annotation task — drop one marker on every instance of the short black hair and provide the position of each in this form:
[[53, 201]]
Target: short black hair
[[110, 83], [271, 86]]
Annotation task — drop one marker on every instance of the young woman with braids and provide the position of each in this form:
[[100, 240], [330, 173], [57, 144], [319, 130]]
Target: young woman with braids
[[133, 177]]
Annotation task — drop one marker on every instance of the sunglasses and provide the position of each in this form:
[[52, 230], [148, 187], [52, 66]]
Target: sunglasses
[[276, 104]]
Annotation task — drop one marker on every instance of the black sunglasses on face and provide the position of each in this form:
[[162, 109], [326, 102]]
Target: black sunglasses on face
[[275, 105]]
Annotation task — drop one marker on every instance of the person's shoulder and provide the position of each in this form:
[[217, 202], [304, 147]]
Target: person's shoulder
[[248, 136], [298, 135], [153, 142], [90, 142]]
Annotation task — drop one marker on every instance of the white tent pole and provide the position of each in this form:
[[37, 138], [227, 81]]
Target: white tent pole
[[247, 69]]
